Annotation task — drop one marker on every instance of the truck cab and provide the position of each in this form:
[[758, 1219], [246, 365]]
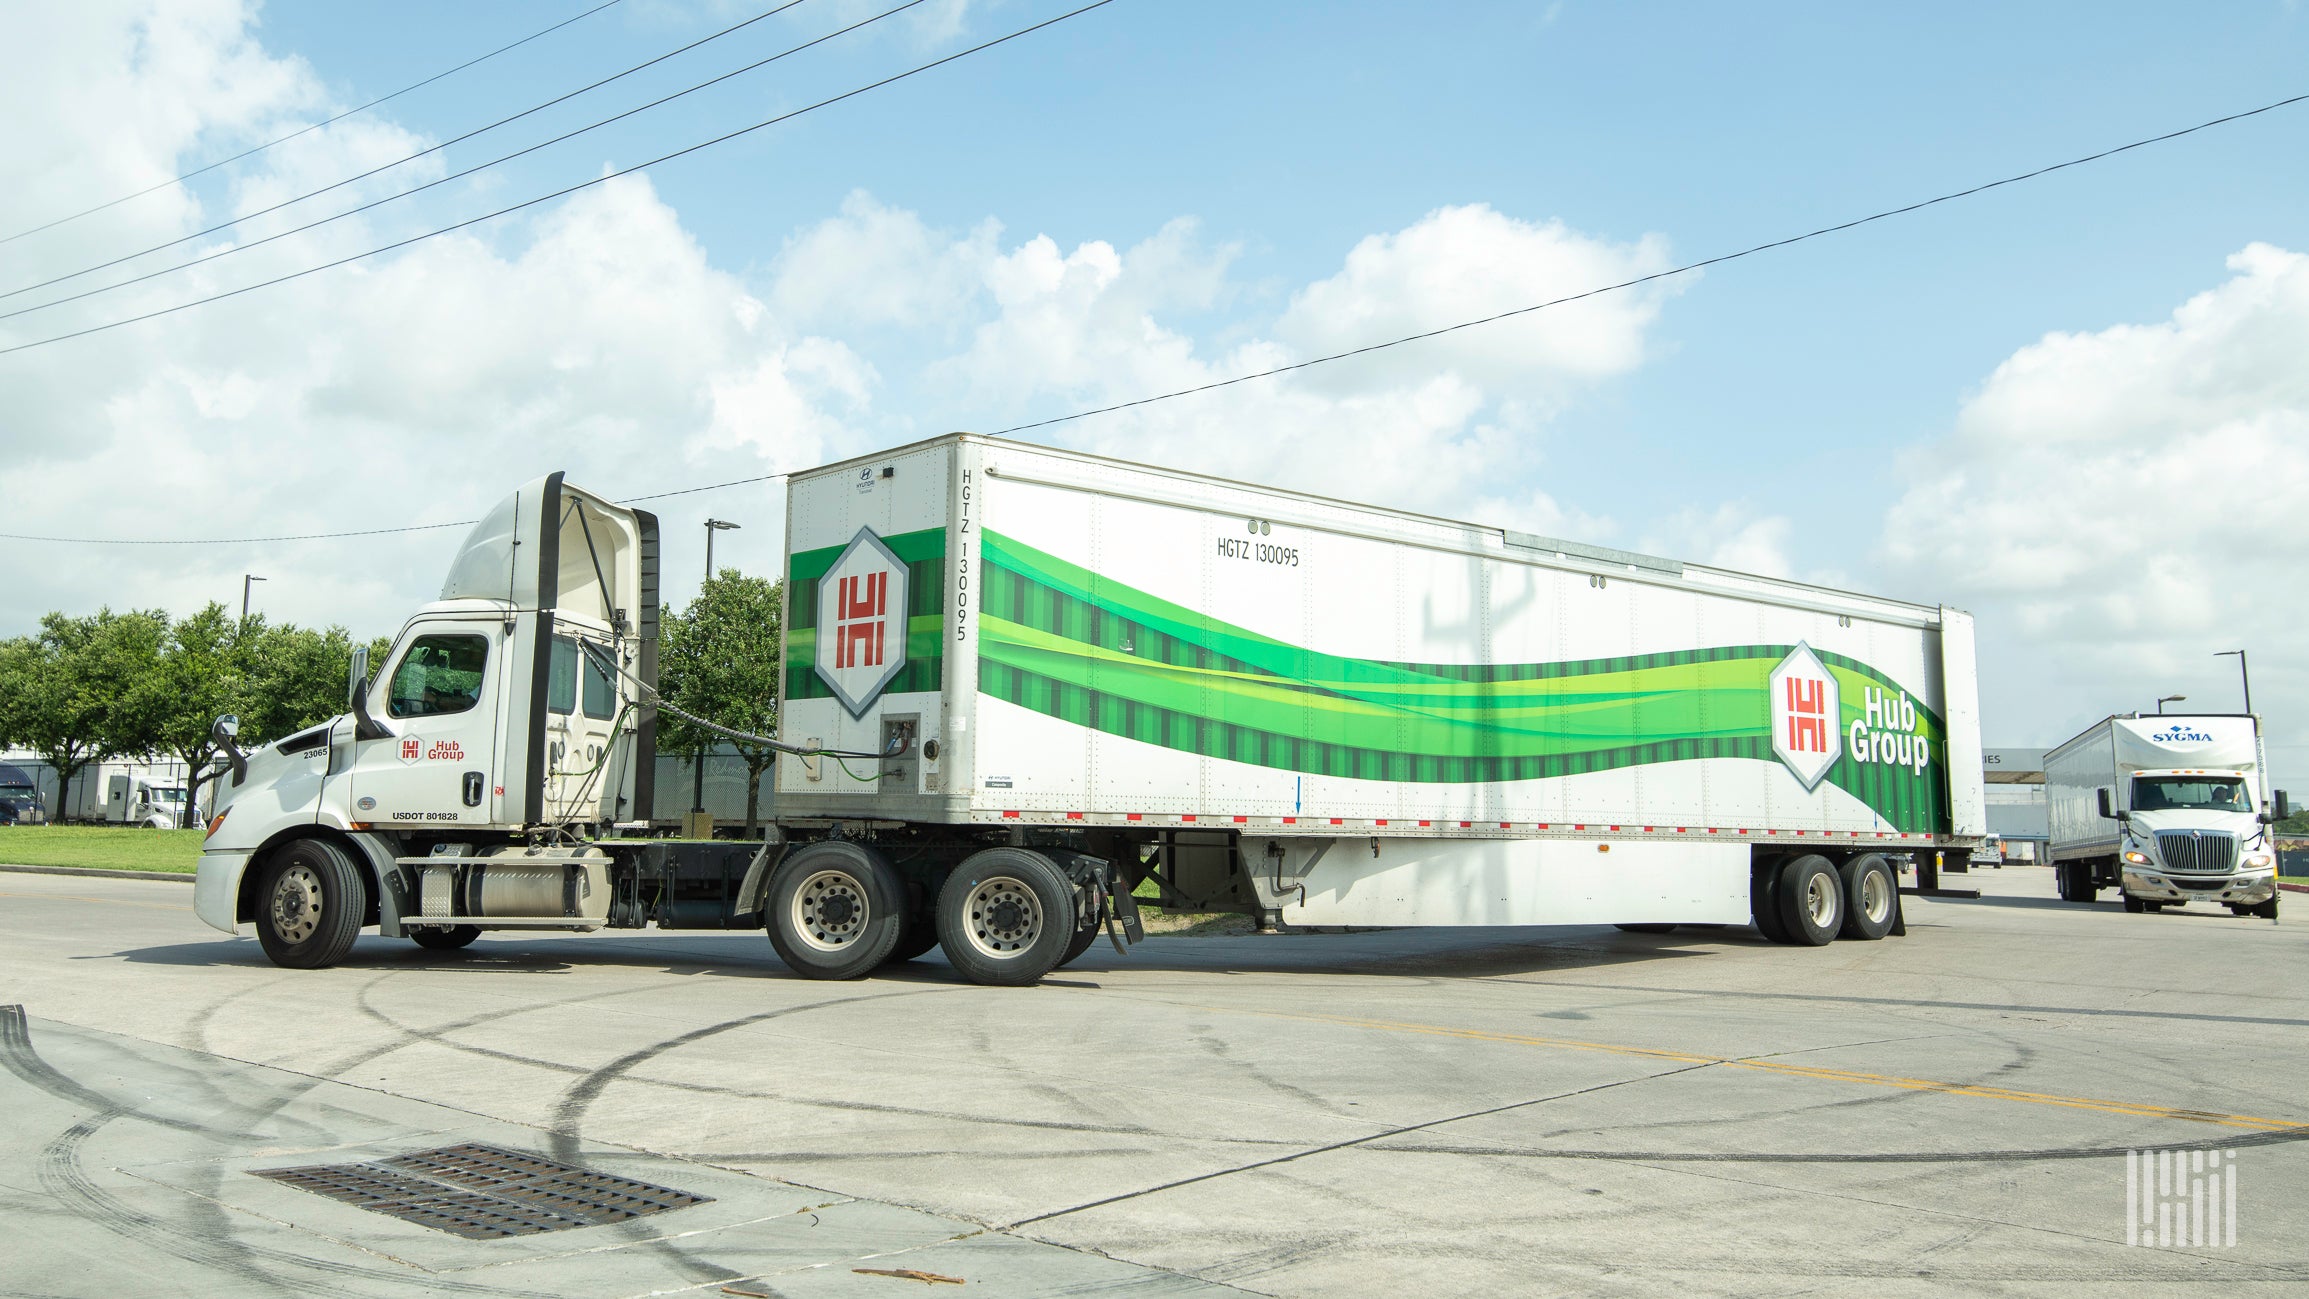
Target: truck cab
[[2169, 810], [2194, 834], [506, 712]]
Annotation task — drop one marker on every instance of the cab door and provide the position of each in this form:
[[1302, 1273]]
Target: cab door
[[437, 701], [582, 705]]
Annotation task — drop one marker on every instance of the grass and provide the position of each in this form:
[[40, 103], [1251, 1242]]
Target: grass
[[1184, 924], [112, 847]]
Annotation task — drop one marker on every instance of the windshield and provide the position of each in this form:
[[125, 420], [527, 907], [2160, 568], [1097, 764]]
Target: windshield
[[168, 796], [2190, 793]]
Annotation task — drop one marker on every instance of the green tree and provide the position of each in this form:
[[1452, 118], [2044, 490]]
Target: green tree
[[718, 658], [205, 678], [297, 677], [84, 689]]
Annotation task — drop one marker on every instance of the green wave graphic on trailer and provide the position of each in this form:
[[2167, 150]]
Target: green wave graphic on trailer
[[1065, 642]]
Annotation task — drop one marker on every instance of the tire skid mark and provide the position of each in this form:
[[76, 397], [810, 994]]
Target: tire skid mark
[[21, 1058]]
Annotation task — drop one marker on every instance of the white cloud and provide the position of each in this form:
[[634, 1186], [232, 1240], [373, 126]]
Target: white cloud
[[1734, 535], [2117, 506]]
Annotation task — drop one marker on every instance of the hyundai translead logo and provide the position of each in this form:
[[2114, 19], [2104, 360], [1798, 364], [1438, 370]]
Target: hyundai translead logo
[[862, 603], [1805, 711]]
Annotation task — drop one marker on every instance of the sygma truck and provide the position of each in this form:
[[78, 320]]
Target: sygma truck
[[2168, 810]]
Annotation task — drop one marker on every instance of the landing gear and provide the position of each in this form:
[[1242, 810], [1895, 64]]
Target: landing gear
[[310, 903]]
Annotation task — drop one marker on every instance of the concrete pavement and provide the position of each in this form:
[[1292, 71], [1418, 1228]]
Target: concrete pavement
[[1573, 1111]]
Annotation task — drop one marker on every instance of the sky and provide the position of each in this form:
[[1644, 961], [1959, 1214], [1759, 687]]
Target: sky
[[2074, 406]]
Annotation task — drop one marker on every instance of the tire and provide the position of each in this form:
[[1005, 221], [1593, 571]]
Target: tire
[[2135, 905], [2267, 909], [310, 903], [1764, 901], [835, 910], [440, 938], [1811, 901], [1871, 897], [1646, 929], [917, 934], [1078, 944], [1006, 917]]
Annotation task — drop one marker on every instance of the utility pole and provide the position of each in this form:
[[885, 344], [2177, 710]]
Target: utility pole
[[247, 580], [2243, 672]]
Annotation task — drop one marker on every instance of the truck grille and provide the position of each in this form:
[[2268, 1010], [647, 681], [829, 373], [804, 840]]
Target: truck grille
[[2198, 852]]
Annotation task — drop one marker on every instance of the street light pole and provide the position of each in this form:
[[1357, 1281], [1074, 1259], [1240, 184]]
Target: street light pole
[[247, 580], [2170, 699], [2242, 672], [713, 526], [697, 798]]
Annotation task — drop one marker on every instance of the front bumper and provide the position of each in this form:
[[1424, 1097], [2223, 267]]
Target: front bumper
[[216, 889], [2246, 888]]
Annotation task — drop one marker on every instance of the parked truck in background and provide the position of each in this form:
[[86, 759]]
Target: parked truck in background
[[1020, 683], [2167, 809]]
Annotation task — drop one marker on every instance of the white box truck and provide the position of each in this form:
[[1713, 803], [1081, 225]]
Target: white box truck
[[2168, 810], [1020, 683]]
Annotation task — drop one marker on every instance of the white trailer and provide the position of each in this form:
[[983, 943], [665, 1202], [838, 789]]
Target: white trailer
[[1021, 683], [130, 793], [2167, 809]]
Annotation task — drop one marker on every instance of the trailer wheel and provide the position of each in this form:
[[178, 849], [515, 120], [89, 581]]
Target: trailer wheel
[[309, 905], [445, 938], [1085, 934], [1006, 917], [1811, 898], [835, 909], [1871, 897], [1764, 901]]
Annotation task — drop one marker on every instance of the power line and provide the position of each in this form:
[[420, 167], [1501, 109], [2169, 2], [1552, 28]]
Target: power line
[[365, 532], [246, 153], [568, 190], [419, 189], [1223, 383], [1685, 269], [350, 180]]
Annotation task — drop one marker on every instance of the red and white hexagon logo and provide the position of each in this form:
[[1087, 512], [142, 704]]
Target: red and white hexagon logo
[[1805, 715], [862, 622]]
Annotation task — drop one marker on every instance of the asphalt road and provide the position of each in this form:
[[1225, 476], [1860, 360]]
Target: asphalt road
[[1572, 1111]]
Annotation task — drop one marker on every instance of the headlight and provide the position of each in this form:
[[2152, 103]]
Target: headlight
[[2256, 860], [2136, 858]]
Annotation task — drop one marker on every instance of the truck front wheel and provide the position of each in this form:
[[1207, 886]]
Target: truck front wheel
[[1006, 917], [835, 910], [310, 900]]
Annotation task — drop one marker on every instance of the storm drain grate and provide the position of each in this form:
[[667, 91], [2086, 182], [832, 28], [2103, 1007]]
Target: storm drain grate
[[482, 1193]]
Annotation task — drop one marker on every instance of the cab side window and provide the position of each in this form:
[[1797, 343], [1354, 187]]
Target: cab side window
[[439, 674], [561, 677]]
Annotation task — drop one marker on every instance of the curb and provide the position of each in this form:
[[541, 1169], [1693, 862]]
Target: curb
[[181, 877], [2293, 888]]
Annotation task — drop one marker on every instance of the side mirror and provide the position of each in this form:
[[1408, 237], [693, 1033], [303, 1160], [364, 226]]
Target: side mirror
[[2280, 808], [358, 679], [223, 731], [2109, 806]]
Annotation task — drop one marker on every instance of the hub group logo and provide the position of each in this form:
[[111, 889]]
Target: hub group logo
[[862, 602], [1805, 709], [2181, 1198]]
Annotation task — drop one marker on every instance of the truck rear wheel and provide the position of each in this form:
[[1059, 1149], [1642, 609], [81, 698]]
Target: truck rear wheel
[[835, 909], [1006, 916], [1811, 898], [1871, 897], [309, 905], [1764, 901], [917, 933]]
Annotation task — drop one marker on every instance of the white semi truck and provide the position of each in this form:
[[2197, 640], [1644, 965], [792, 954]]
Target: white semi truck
[[2168, 810], [1020, 683]]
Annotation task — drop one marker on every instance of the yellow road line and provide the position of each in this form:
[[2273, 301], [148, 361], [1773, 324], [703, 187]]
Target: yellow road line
[[2128, 1108]]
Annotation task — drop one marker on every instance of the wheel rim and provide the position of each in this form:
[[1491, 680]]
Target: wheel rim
[[1820, 899], [1875, 897], [830, 910], [296, 903], [1005, 917]]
